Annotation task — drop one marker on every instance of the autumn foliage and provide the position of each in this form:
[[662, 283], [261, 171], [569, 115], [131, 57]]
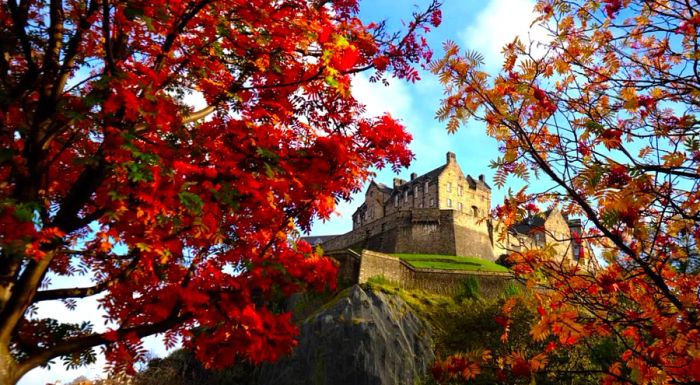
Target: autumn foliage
[[186, 219], [606, 111]]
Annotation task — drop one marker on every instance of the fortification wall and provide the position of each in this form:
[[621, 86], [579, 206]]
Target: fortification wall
[[425, 231], [408, 231], [472, 237], [367, 235], [448, 282], [348, 266], [375, 264]]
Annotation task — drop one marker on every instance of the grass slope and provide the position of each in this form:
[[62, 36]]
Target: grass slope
[[451, 262]]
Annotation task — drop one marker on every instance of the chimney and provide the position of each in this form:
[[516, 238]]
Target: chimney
[[413, 175], [451, 157], [398, 182], [481, 178]]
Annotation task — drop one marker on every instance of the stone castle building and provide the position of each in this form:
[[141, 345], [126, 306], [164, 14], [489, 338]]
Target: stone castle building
[[440, 212], [446, 212]]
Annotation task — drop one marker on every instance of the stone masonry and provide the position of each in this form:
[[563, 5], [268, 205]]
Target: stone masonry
[[446, 212], [441, 212]]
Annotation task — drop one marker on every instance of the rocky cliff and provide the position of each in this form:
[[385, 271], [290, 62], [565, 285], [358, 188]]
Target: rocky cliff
[[362, 337]]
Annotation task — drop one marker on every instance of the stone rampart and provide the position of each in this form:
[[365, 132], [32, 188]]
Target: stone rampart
[[348, 266], [375, 264], [448, 282]]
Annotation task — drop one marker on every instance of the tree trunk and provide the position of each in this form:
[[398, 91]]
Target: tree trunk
[[8, 367]]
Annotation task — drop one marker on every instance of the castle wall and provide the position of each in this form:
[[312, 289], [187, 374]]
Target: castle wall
[[511, 243], [413, 194], [348, 266], [379, 235], [375, 264], [557, 232], [429, 232], [423, 231], [456, 193], [448, 282]]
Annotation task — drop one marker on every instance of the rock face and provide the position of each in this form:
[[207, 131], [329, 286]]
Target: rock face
[[361, 338]]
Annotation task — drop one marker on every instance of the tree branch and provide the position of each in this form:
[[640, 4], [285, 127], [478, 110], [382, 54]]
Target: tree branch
[[92, 340], [22, 296], [82, 292]]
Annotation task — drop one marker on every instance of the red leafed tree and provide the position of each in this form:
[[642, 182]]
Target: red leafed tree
[[182, 218], [607, 110]]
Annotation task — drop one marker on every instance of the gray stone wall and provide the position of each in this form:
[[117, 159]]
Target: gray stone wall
[[375, 264], [448, 282], [348, 266], [425, 231]]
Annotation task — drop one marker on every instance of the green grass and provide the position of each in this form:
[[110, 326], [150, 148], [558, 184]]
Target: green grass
[[451, 262]]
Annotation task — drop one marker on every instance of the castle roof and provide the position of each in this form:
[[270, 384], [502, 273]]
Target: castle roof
[[382, 187], [430, 175], [532, 224]]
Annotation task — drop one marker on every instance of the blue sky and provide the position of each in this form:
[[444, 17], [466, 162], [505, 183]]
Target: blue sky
[[479, 25], [484, 26]]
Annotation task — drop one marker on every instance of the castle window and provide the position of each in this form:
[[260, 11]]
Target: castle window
[[459, 206], [405, 196], [449, 202], [459, 190], [432, 202], [425, 187], [475, 211], [539, 238], [396, 201], [415, 191], [449, 187]]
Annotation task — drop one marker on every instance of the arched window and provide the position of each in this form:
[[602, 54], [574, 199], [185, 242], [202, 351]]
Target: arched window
[[475, 211]]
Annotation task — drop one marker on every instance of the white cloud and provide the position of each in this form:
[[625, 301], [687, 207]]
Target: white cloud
[[498, 24], [379, 99], [195, 99]]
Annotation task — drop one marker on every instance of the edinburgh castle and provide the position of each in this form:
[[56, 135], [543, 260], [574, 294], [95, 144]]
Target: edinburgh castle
[[446, 212]]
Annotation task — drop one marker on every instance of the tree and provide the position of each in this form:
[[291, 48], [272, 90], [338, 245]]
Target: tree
[[183, 218], [607, 110]]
